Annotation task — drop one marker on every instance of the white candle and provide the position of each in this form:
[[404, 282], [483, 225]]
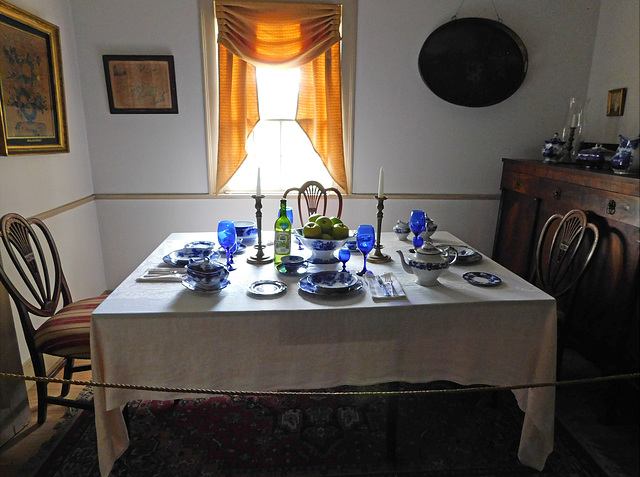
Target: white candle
[[381, 183], [574, 121], [258, 188]]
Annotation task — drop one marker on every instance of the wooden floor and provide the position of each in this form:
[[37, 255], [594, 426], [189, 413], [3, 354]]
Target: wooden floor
[[17, 451]]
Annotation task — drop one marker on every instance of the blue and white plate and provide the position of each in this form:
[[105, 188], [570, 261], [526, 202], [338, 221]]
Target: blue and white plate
[[239, 251], [333, 281], [482, 279], [191, 284], [181, 257], [466, 255], [201, 244], [306, 285]]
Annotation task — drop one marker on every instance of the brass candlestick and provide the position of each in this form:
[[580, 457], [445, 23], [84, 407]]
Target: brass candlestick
[[377, 256], [260, 257], [572, 132]]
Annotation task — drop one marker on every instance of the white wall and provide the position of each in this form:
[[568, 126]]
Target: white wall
[[616, 64]]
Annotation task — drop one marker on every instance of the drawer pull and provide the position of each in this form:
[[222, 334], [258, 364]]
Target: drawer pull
[[611, 207], [557, 193]]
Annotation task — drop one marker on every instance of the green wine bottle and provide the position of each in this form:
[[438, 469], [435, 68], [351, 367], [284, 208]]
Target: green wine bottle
[[282, 238]]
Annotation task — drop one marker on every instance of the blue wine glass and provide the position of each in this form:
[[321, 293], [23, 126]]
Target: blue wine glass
[[344, 255], [365, 238], [417, 223], [227, 239]]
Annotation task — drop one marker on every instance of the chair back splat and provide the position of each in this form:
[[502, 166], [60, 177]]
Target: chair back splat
[[37, 286], [562, 256], [315, 197]]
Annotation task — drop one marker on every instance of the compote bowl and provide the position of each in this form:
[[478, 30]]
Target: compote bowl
[[227, 239]]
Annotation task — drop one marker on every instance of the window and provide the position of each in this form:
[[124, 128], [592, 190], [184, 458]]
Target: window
[[277, 144], [284, 136]]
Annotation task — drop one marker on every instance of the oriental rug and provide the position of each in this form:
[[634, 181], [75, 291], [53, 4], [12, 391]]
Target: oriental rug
[[438, 435]]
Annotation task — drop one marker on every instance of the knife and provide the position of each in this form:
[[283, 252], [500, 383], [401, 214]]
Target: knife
[[385, 290]]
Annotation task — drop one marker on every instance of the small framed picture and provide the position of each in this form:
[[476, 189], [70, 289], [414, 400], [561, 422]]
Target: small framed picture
[[615, 102], [140, 84], [33, 117]]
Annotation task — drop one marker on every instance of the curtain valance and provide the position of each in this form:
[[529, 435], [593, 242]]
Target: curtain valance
[[282, 35]]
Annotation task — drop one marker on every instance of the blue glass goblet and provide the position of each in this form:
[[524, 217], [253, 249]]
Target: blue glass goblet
[[227, 239], [417, 223], [344, 255], [365, 239]]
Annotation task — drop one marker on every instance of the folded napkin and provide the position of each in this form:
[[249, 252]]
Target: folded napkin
[[377, 291]]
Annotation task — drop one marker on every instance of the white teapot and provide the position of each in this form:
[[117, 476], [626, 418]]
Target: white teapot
[[428, 262]]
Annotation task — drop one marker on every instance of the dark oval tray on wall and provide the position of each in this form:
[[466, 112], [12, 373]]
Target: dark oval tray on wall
[[473, 62]]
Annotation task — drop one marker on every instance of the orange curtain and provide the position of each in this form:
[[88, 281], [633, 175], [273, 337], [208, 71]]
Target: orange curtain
[[282, 35]]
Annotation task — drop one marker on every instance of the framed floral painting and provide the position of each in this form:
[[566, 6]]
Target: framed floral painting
[[32, 103]]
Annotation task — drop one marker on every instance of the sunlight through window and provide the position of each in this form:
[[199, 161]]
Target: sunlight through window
[[278, 145]]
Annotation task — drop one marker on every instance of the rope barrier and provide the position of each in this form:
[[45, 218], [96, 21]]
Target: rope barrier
[[319, 392]]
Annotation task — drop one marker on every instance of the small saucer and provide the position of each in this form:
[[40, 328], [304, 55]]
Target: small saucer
[[482, 279], [191, 284], [302, 269], [267, 288], [239, 251]]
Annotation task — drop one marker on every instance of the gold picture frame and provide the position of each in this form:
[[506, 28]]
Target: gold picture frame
[[615, 102], [141, 84], [32, 102]]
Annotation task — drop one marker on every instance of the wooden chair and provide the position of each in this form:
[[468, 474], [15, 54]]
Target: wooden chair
[[561, 259], [315, 197], [40, 290]]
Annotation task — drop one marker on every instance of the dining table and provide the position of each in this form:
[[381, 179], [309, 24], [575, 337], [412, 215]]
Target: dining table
[[161, 333]]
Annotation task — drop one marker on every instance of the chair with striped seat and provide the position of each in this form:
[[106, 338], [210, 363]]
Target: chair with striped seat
[[38, 287]]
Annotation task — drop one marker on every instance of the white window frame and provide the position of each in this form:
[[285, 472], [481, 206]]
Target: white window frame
[[210, 70]]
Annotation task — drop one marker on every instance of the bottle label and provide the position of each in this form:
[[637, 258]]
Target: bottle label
[[282, 243]]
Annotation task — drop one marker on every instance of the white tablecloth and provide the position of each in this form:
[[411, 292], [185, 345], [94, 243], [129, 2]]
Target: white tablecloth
[[162, 334]]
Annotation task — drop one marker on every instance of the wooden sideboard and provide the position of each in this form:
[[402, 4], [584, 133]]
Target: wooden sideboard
[[605, 323]]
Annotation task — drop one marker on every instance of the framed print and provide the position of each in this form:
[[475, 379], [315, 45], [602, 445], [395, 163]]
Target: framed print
[[615, 102], [32, 103], [140, 84]]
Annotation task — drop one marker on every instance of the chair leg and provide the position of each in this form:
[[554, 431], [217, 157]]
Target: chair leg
[[68, 374], [41, 388]]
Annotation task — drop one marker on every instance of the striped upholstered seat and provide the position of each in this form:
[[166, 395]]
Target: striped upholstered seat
[[66, 333]]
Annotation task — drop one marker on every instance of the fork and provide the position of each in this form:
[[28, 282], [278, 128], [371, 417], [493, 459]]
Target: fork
[[389, 285]]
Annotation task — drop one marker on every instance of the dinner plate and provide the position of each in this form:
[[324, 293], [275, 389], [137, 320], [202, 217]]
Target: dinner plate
[[181, 257], [267, 287], [239, 251], [301, 270], [307, 287], [333, 281], [483, 279], [201, 244], [191, 284]]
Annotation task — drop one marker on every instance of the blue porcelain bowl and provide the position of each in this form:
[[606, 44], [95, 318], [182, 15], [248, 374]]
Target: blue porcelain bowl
[[246, 230], [292, 262], [322, 250]]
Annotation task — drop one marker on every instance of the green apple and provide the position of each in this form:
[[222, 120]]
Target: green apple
[[311, 230], [340, 231], [314, 217], [336, 220], [325, 224], [326, 237]]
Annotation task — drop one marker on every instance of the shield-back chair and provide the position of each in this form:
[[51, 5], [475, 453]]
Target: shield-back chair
[[562, 256], [38, 287], [315, 199]]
